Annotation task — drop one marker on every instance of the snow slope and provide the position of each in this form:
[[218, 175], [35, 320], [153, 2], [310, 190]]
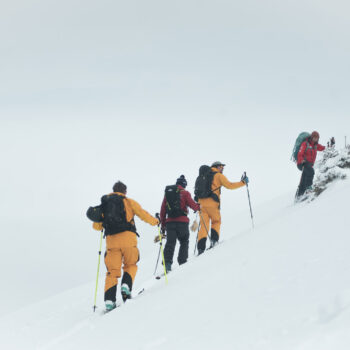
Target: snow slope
[[285, 285]]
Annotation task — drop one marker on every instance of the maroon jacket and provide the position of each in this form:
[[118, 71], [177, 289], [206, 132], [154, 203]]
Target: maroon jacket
[[308, 151], [185, 202]]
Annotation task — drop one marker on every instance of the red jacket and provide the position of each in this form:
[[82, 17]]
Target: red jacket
[[185, 202], [308, 151]]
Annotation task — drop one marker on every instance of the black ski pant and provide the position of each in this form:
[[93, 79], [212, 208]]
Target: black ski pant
[[174, 231], [307, 177]]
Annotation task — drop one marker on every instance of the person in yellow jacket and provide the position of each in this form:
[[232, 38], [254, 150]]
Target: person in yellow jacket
[[210, 207], [121, 241]]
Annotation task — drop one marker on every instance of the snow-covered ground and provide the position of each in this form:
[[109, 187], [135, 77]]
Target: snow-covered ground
[[283, 285]]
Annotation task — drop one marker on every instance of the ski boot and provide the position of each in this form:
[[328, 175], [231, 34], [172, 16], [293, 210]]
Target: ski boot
[[213, 243], [110, 305], [200, 251], [126, 294], [167, 267]]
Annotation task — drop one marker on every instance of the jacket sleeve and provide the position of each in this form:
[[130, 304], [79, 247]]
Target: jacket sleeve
[[320, 147], [163, 212], [230, 185], [301, 152], [142, 214], [191, 203]]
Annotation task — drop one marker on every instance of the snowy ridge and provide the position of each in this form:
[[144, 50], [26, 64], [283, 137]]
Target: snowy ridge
[[334, 166], [285, 285]]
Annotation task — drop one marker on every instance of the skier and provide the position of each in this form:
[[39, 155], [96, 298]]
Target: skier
[[121, 241], [306, 160], [173, 217], [210, 206]]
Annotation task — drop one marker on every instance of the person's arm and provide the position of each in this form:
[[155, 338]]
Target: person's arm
[[142, 214], [190, 202], [301, 153], [320, 147], [229, 185], [163, 212]]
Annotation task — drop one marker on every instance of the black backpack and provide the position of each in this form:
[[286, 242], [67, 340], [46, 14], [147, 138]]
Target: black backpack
[[202, 188], [114, 220], [173, 202], [95, 213]]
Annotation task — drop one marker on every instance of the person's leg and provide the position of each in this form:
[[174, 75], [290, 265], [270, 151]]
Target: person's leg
[[215, 216], [183, 235], [309, 175], [170, 244], [203, 230], [302, 186], [131, 256], [113, 262]]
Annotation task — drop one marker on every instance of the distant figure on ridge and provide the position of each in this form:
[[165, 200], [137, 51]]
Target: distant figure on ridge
[[173, 217], [306, 160], [207, 193]]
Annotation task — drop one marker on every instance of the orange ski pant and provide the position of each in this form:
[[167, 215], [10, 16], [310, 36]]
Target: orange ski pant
[[121, 253], [209, 214]]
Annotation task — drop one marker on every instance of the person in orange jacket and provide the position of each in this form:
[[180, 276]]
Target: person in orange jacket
[[121, 241], [210, 207]]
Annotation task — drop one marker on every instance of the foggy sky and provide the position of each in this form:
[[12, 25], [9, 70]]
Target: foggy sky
[[144, 91]]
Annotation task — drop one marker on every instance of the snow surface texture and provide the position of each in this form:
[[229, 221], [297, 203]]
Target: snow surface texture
[[285, 285], [334, 165]]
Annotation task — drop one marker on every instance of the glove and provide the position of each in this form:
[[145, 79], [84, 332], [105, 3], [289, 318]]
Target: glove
[[245, 179], [162, 230], [194, 226], [156, 238]]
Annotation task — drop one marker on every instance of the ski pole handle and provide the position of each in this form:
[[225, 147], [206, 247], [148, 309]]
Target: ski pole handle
[[158, 217]]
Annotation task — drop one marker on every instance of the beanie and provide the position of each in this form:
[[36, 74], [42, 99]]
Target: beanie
[[181, 181]]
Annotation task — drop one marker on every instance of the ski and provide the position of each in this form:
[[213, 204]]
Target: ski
[[119, 304], [138, 293]]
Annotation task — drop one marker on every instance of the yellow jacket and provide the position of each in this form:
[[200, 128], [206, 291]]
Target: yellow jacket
[[219, 180], [132, 208]]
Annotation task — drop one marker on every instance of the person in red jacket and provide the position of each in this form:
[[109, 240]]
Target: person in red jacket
[[306, 160], [173, 218]]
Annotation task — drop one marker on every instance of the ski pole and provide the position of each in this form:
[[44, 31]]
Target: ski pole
[[195, 246], [155, 270], [161, 248], [98, 270], [250, 205]]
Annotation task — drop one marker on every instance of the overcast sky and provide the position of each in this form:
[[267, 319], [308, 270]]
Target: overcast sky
[[92, 92], [187, 58]]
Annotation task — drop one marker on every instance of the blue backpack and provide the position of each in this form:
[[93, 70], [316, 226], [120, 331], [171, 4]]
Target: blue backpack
[[300, 139]]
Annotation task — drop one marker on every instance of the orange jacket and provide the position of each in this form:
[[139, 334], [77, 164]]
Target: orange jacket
[[219, 180], [132, 208]]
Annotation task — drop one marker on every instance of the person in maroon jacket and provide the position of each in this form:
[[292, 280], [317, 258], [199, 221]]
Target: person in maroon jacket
[[306, 160], [173, 217]]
